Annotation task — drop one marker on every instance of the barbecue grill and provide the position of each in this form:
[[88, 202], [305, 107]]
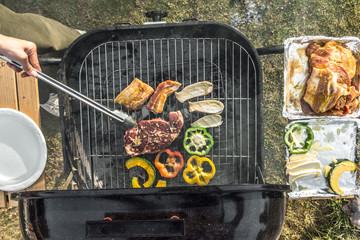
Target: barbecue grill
[[100, 64], [104, 69]]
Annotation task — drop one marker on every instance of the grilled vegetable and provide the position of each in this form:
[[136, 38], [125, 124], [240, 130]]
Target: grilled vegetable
[[299, 138], [327, 171], [147, 166], [335, 172], [212, 120], [207, 106], [199, 170], [194, 90], [304, 174], [172, 165], [161, 183], [302, 166], [135, 182], [198, 141]]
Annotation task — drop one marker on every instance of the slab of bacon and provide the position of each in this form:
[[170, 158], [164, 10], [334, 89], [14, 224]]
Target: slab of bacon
[[332, 87], [134, 95], [157, 101]]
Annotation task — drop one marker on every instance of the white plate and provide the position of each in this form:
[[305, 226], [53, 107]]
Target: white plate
[[23, 151]]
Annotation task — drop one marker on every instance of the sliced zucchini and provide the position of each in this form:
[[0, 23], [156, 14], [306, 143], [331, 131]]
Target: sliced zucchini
[[339, 168]]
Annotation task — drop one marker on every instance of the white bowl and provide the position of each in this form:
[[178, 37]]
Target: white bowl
[[23, 151]]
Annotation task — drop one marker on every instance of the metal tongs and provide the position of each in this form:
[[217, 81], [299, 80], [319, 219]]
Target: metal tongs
[[122, 117]]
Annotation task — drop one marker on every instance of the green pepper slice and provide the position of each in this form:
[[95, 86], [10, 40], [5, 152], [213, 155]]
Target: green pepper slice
[[296, 140], [198, 141]]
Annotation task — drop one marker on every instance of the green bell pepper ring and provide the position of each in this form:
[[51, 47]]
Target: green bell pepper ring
[[198, 141], [299, 138]]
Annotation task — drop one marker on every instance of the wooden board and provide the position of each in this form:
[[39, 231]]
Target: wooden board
[[8, 89], [28, 97], [21, 94], [28, 100], [8, 99], [2, 199]]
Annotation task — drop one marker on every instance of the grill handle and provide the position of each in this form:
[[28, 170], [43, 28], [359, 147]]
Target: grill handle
[[156, 15], [114, 114], [135, 228], [270, 50]]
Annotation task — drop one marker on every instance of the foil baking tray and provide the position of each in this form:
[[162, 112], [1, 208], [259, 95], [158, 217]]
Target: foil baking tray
[[296, 73], [336, 139]]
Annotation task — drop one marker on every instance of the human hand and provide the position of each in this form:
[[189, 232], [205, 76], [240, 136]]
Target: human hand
[[21, 51]]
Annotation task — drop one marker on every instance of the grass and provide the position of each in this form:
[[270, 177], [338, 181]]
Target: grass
[[273, 22], [318, 219], [9, 227]]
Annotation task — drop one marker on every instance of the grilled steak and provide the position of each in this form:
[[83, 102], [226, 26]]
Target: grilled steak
[[152, 136]]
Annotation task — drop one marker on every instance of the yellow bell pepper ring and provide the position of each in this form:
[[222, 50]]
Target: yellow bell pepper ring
[[135, 183], [199, 170], [147, 166], [161, 183]]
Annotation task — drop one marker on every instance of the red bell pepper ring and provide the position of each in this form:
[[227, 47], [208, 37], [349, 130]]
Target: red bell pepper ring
[[173, 164]]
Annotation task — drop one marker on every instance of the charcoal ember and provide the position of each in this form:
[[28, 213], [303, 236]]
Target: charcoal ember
[[152, 136]]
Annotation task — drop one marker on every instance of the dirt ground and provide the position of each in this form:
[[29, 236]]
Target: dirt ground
[[265, 23]]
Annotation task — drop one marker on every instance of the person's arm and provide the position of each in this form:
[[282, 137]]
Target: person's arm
[[22, 51]]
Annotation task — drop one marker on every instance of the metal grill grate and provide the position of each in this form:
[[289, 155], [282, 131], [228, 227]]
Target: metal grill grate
[[110, 67]]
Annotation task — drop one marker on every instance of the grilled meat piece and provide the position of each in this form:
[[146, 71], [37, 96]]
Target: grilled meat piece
[[157, 101], [333, 52], [329, 89], [322, 91], [134, 95], [152, 136], [340, 103], [353, 94]]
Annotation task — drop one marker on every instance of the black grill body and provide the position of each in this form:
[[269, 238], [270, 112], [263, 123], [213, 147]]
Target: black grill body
[[237, 204], [102, 63], [246, 212]]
